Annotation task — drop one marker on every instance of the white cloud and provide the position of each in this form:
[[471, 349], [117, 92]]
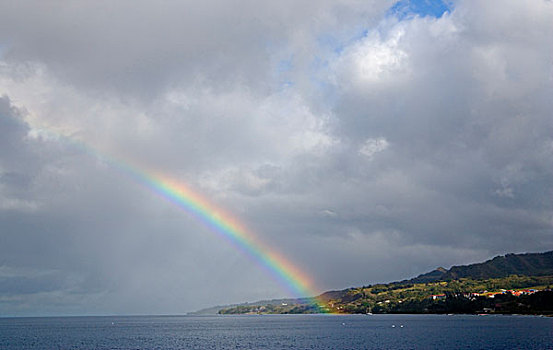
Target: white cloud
[[375, 59], [373, 146]]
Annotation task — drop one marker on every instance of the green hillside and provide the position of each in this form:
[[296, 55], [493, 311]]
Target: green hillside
[[506, 284], [530, 264], [502, 266]]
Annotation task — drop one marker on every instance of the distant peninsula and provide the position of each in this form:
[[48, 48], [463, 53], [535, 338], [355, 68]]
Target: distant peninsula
[[509, 284]]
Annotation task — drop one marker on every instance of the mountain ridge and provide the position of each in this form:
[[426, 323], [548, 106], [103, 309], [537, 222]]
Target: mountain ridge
[[525, 264], [509, 270]]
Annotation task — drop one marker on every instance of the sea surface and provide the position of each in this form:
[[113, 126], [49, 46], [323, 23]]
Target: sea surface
[[278, 332]]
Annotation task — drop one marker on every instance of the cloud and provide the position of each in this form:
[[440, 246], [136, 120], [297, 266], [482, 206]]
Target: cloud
[[143, 49], [363, 143], [372, 146], [374, 60]]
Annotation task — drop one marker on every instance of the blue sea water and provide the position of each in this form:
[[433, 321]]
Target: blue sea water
[[278, 332]]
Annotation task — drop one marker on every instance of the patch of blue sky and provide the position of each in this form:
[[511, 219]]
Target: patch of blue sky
[[284, 65], [405, 9], [281, 73], [329, 41], [402, 10], [334, 44]]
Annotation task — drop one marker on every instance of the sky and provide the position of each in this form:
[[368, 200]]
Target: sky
[[365, 141]]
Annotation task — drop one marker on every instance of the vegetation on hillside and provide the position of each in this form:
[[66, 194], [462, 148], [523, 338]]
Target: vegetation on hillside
[[530, 264], [474, 288], [463, 295]]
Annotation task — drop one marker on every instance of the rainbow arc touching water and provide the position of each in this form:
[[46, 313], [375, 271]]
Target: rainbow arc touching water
[[287, 274], [226, 226]]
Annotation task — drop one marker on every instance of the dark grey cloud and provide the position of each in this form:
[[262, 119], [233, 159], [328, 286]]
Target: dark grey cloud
[[144, 48], [363, 147]]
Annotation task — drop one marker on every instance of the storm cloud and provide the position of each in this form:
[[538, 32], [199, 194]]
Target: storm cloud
[[366, 141]]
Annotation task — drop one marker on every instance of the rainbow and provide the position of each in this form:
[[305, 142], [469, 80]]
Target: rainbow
[[226, 226]]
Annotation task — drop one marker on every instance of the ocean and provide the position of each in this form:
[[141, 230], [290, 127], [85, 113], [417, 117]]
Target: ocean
[[278, 332]]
